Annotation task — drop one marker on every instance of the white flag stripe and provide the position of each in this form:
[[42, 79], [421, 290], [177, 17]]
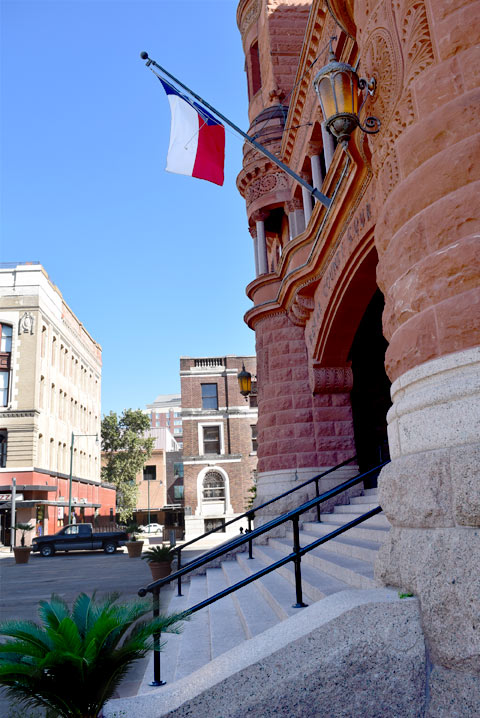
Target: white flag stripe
[[183, 137]]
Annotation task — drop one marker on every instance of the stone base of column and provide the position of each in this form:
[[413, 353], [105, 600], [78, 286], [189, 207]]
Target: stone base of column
[[431, 495]]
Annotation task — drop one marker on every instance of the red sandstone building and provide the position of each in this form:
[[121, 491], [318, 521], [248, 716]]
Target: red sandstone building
[[366, 314], [219, 441]]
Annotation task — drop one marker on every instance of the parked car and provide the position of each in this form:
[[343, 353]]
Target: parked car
[[151, 529], [79, 537]]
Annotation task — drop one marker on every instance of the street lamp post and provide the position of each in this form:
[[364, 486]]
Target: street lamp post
[[74, 436]]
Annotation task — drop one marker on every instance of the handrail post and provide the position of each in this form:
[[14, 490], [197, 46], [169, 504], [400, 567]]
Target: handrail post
[[157, 681], [297, 560], [318, 505], [179, 566], [250, 543]]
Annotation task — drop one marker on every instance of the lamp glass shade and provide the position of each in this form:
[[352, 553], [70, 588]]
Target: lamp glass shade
[[244, 382], [326, 96], [337, 88], [346, 91]]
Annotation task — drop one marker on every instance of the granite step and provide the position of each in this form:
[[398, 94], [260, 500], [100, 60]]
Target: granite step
[[360, 548], [316, 584], [338, 518], [357, 509], [362, 532], [227, 630], [195, 643], [275, 588], [254, 611], [352, 571]]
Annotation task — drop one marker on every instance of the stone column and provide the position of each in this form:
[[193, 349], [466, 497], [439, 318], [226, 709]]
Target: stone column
[[328, 146], [427, 240], [262, 259], [253, 233], [317, 177], [296, 217], [307, 205]]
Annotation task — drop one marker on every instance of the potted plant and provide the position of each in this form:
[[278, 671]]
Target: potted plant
[[22, 552], [134, 546], [72, 661], [160, 560]]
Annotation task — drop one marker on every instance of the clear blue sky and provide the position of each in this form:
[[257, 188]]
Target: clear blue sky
[[154, 264]]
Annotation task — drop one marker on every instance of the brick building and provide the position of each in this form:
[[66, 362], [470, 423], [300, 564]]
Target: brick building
[[219, 435], [366, 314], [50, 374]]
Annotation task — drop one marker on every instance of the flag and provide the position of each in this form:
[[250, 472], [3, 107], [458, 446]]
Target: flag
[[197, 139]]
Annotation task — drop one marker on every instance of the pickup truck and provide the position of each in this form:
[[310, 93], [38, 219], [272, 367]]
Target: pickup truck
[[79, 537]]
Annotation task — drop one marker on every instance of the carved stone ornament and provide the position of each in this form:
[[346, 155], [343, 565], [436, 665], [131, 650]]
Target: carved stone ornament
[[244, 20], [330, 380], [26, 323], [275, 181]]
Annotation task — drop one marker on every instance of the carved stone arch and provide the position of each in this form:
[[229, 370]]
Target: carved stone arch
[[345, 306]]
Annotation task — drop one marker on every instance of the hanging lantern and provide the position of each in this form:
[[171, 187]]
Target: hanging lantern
[[244, 382], [337, 86]]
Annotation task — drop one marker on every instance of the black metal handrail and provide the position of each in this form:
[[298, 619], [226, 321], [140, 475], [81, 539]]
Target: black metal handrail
[[250, 515], [295, 556]]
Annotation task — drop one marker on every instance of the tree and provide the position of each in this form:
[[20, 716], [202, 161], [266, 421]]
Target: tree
[[73, 661], [126, 449]]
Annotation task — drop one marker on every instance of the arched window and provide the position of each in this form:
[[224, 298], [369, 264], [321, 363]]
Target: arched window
[[213, 486]]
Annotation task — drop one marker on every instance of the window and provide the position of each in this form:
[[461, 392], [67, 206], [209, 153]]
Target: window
[[211, 440], [177, 414], [177, 422], [6, 339], [255, 79], [178, 492], [178, 470], [5, 352], [3, 449], [209, 396], [178, 430], [213, 486], [253, 398], [3, 388], [149, 473], [71, 530], [253, 429]]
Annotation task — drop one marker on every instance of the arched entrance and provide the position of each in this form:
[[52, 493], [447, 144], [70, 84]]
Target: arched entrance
[[370, 396]]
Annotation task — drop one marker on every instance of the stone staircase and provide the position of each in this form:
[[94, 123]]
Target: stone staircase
[[346, 562]]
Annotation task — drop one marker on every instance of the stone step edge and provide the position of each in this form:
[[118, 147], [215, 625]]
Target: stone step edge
[[161, 701]]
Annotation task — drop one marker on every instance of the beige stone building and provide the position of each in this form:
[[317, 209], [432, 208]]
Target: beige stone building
[[50, 374]]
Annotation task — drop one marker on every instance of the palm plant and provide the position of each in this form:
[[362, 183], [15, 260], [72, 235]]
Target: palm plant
[[23, 528], [72, 663], [159, 554]]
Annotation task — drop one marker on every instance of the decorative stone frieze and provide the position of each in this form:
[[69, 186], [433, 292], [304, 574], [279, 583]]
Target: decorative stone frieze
[[330, 380], [247, 13]]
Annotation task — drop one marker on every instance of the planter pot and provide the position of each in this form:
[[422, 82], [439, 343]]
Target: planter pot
[[134, 548], [160, 570], [22, 553]]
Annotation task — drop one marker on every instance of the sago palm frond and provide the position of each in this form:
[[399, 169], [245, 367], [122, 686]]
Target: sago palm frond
[[73, 662]]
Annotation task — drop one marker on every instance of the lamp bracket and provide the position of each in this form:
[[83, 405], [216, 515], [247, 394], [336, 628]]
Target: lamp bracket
[[370, 85], [372, 125]]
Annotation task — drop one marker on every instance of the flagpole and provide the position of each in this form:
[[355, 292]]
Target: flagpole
[[312, 190]]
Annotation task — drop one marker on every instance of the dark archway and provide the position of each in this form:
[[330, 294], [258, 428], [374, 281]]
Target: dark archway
[[370, 396]]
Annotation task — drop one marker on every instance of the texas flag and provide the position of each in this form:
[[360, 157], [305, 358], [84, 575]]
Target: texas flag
[[197, 139]]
